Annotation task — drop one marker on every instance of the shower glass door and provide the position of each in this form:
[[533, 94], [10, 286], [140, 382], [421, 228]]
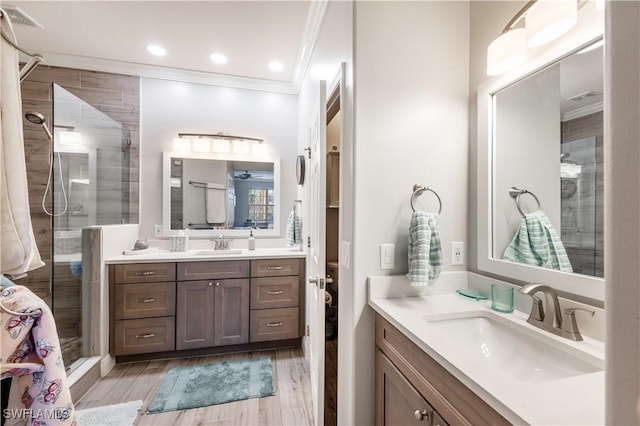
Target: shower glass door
[[89, 186]]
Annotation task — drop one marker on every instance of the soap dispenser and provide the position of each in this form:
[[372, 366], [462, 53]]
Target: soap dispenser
[[251, 241]]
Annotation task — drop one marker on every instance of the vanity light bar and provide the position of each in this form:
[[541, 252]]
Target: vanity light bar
[[219, 142], [545, 21], [218, 136]]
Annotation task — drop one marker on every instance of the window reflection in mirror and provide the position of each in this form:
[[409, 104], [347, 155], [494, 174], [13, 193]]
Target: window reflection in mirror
[[208, 194], [548, 139]]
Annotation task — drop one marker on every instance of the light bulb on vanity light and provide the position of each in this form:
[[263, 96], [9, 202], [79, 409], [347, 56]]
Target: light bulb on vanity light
[[507, 51], [200, 144], [181, 144], [241, 147], [221, 146], [547, 20]]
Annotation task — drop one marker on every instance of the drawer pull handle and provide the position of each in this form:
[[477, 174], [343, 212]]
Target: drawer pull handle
[[145, 273], [275, 292], [275, 268], [145, 336], [421, 415], [149, 300], [275, 324]]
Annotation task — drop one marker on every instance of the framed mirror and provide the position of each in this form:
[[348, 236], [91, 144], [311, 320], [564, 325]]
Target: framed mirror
[[540, 167], [220, 194]]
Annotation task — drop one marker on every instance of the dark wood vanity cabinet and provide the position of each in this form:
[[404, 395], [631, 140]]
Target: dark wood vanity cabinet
[[164, 307], [212, 313], [276, 299], [413, 388], [143, 302]]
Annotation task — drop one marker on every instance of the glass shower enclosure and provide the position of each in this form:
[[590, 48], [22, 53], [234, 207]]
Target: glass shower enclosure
[[90, 186]]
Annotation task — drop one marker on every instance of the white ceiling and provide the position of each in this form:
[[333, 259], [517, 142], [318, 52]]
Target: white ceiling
[[112, 35]]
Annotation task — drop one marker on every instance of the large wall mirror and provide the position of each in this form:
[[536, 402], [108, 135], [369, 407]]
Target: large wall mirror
[[220, 195], [540, 195]]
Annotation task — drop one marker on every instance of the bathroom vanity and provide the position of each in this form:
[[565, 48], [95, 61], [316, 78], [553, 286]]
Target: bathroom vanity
[[444, 359], [181, 304]]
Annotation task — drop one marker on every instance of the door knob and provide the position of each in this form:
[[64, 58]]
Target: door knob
[[313, 280]]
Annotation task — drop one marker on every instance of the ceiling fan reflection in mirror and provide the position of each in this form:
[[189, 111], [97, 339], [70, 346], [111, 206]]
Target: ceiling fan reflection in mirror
[[254, 175]]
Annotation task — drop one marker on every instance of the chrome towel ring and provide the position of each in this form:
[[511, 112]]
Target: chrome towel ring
[[418, 190], [516, 193]]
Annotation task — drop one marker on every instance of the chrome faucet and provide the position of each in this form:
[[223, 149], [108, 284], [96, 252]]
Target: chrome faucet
[[221, 243], [551, 318]]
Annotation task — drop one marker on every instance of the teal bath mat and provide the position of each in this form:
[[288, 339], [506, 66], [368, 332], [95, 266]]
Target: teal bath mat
[[216, 383]]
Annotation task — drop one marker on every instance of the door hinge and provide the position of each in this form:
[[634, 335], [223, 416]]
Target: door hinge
[[308, 331], [308, 242], [308, 149]]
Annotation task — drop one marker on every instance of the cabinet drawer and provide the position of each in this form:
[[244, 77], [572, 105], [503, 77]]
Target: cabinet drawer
[[213, 270], [274, 292], [145, 300], [145, 272], [144, 335], [275, 267], [274, 324]]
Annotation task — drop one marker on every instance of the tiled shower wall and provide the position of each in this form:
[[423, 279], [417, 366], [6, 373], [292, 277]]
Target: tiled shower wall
[[117, 96], [590, 260]]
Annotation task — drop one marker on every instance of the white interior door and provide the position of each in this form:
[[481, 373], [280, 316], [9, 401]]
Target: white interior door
[[317, 255]]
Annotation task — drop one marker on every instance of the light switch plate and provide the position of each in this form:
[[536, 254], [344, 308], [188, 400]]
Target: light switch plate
[[345, 254], [387, 256]]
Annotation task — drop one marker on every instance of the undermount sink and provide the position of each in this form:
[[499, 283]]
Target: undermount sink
[[212, 252], [508, 347]]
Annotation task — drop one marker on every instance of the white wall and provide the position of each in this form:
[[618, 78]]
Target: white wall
[[411, 126], [170, 107]]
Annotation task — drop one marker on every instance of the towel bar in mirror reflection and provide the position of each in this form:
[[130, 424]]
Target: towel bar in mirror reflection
[[516, 193]]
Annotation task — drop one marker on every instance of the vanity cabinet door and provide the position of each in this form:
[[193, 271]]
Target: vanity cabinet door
[[194, 314], [398, 403], [231, 321]]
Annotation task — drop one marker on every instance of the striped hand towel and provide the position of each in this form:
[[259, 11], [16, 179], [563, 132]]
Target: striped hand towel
[[294, 227], [537, 243], [425, 251]]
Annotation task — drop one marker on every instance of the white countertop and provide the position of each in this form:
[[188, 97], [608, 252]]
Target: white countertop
[[191, 256], [577, 400]]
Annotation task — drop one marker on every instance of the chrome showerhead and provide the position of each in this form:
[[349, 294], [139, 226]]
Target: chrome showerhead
[[37, 118]]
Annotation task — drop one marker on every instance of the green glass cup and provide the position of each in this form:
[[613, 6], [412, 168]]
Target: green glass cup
[[501, 298]]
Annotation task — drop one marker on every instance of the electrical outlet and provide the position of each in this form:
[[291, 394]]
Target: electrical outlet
[[158, 230], [457, 253]]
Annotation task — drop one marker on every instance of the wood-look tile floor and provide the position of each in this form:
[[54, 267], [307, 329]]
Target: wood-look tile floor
[[291, 405]]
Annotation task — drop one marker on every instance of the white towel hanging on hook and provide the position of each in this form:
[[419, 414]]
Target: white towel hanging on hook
[[18, 251]]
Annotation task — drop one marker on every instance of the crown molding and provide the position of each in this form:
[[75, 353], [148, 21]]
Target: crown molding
[[312, 28], [313, 24], [581, 112], [165, 73]]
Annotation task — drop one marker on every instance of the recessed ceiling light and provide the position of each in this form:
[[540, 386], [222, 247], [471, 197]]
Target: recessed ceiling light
[[276, 66], [218, 58], [154, 49]]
